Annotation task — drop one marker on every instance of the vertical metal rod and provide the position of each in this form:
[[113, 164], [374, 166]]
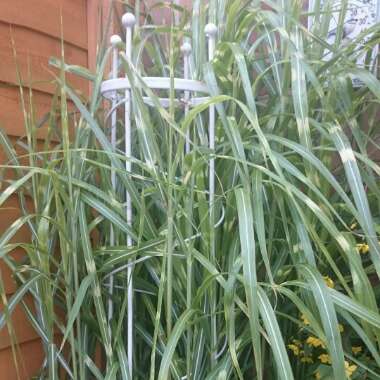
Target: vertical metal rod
[[115, 41], [129, 21], [211, 31], [186, 50]]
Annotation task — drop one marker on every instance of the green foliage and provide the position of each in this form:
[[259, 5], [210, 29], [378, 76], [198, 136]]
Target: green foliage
[[297, 258]]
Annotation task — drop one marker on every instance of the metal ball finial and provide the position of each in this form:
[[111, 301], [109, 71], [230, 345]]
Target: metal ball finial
[[128, 20], [211, 30], [186, 48], [115, 40]]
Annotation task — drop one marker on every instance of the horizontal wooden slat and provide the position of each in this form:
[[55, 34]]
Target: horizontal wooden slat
[[45, 16], [12, 116], [9, 282], [29, 359], [9, 212], [11, 112], [33, 51], [35, 27], [23, 155], [20, 326]]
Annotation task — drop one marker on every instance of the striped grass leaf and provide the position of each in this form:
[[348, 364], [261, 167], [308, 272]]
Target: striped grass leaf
[[247, 242], [176, 333], [284, 370], [73, 315], [97, 297], [259, 220], [354, 307], [123, 361], [277, 88], [328, 317], [230, 316], [16, 299], [112, 372], [356, 185], [299, 91]]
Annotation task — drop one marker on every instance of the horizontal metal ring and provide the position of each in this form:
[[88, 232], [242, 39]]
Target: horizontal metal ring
[[165, 102], [159, 83]]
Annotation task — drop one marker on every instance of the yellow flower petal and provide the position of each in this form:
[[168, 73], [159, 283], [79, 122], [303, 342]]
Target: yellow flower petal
[[362, 248], [314, 342], [317, 375], [325, 358], [297, 342], [305, 320], [356, 349], [350, 369], [295, 349], [329, 282], [340, 327]]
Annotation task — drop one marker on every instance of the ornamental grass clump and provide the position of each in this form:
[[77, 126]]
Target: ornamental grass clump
[[295, 159]]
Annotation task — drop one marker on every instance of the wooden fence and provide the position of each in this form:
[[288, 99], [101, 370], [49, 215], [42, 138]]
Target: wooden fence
[[32, 29]]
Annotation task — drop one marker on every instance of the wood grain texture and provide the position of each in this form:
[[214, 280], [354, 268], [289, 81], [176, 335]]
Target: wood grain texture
[[9, 282], [33, 30], [20, 327], [29, 357], [103, 20], [30, 52], [11, 115], [10, 212], [45, 16]]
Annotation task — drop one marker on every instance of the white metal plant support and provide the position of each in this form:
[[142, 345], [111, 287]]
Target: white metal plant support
[[115, 42], [118, 90]]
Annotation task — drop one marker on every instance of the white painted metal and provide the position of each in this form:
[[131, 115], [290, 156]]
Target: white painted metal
[[165, 102], [118, 90], [115, 41], [186, 50], [129, 21], [211, 31], [158, 83]]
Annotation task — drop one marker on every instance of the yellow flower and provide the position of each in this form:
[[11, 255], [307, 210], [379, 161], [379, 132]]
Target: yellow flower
[[353, 226], [306, 359], [329, 282], [350, 369], [314, 342], [305, 320], [362, 248], [324, 358], [340, 327], [294, 348], [317, 375], [356, 349]]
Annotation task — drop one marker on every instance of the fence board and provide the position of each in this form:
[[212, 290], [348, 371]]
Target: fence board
[[29, 359], [33, 50], [11, 115], [35, 28], [45, 15]]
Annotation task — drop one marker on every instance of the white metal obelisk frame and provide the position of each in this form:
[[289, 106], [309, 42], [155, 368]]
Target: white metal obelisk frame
[[128, 21], [118, 90]]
